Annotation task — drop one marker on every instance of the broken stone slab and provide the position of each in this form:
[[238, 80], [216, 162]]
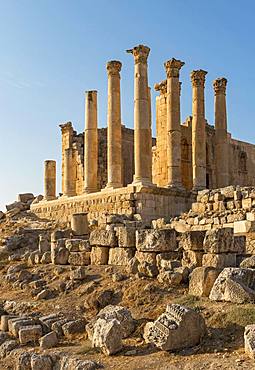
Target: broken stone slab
[[107, 336], [49, 340], [24, 361], [79, 273], [74, 327], [30, 334], [79, 258], [202, 280], [149, 257], [59, 255], [239, 246], [44, 244], [120, 256], [16, 205], [104, 238], [249, 340], [68, 363], [110, 312], [7, 347], [236, 285], [147, 269], [126, 236], [4, 322], [159, 240], [177, 328], [99, 255], [15, 325], [192, 240], [220, 260], [219, 241], [171, 278]]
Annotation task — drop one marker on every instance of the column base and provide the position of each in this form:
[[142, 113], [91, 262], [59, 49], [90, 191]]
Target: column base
[[143, 182], [89, 190], [49, 198], [111, 186], [175, 187]]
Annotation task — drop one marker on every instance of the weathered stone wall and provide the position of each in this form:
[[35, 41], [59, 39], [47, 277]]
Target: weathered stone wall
[[149, 203]]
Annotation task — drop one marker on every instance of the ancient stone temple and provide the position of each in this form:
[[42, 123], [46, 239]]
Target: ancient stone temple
[[117, 170]]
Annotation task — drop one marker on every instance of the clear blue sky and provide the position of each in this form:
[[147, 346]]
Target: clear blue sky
[[52, 51]]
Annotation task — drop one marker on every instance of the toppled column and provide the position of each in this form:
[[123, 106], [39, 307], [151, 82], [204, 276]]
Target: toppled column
[[90, 143], [69, 175], [221, 134], [198, 130], [142, 134], [49, 180], [173, 67], [114, 154]]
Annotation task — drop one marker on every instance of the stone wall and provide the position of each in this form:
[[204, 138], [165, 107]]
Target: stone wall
[[149, 203]]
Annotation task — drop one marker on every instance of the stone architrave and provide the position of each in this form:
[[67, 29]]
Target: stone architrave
[[90, 143], [173, 67], [221, 134], [114, 154], [198, 130], [142, 134], [49, 180]]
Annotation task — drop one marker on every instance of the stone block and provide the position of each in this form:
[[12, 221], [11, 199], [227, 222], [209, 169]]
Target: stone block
[[228, 191], [16, 324], [171, 278], [149, 257], [104, 238], [247, 203], [26, 197], [234, 285], [120, 256], [126, 236], [198, 207], [249, 340], [219, 240], [219, 260], [99, 255], [243, 227], [192, 240], [107, 336], [77, 245], [30, 334], [46, 258], [202, 280], [79, 273], [39, 362], [250, 216], [239, 246], [4, 322], [49, 340], [44, 244], [79, 258], [162, 240], [192, 259], [177, 328], [74, 327]]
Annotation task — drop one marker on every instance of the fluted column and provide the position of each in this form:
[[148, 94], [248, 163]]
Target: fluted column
[[114, 154], [49, 180], [90, 143], [142, 134], [173, 67], [198, 130], [221, 134], [69, 175]]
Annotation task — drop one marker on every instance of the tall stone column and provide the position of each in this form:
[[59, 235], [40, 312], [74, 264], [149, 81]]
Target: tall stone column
[[90, 143], [198, 130], [114, 154], [142, 134], [49, 180], [69, 175], [221, 134], [173, 67]]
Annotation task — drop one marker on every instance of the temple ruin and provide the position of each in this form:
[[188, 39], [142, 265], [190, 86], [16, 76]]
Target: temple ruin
[[117, 170]]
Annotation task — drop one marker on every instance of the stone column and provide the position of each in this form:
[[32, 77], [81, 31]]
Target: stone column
[[198, 130], [142, 134], [69, 175], [114, 154], [173, 67], [49, 180], [90, 143], [221, 134]]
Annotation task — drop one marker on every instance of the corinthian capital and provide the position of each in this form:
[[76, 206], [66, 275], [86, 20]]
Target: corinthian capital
[[198, 77], [113, 67], [161, 87], [220, 85], [173, 67], [140, 53]]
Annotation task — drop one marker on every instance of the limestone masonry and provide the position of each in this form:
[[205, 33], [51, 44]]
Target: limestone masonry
[[117, 170]]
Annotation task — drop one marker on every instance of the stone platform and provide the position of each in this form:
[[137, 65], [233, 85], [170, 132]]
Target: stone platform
[[148, 202]]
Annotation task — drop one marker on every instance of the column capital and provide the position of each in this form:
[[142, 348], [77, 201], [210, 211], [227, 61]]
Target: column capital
[[140, 53], [220, 85], [161, 87], [66, 126], [113, 67], [198, 77], [173, 67]]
